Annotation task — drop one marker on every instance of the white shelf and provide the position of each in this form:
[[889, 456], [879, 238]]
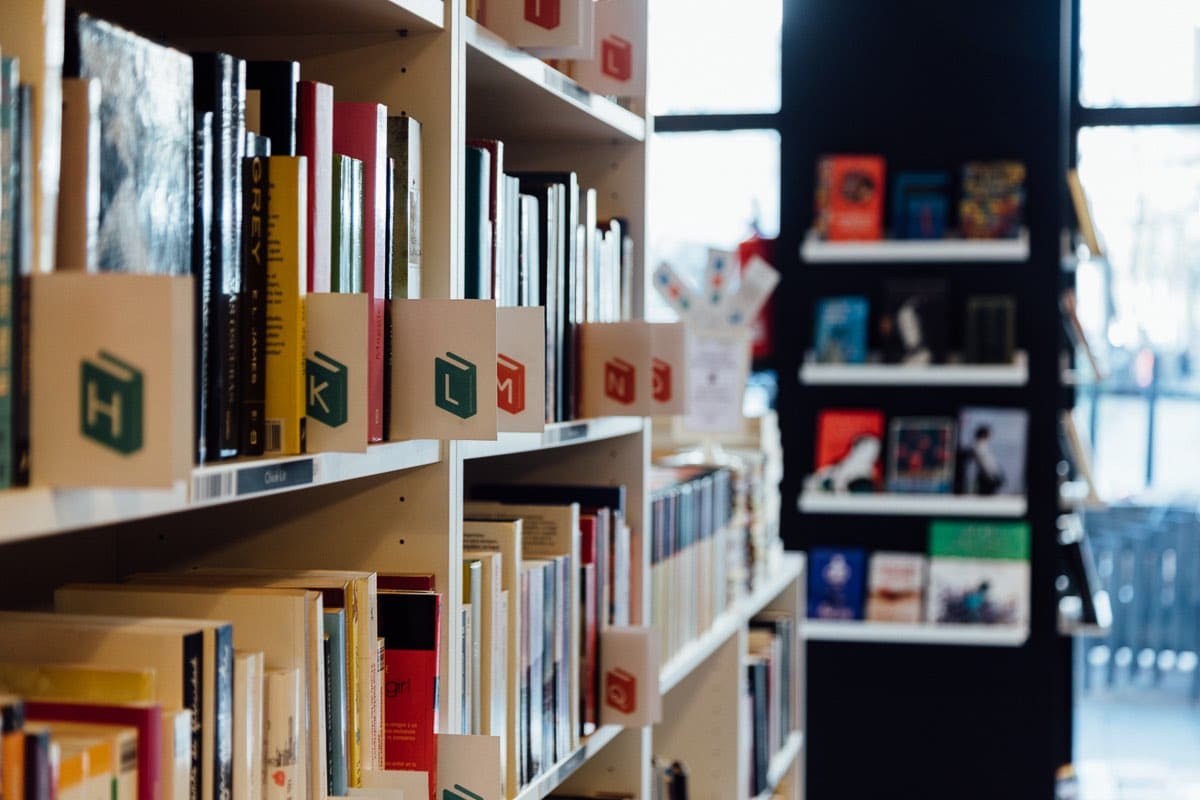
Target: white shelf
[[906, 251], [1014, 374], [39, 511], [817, 630], [512, 95], [552, 778], [558, 434], [781, 762], [912, 504]]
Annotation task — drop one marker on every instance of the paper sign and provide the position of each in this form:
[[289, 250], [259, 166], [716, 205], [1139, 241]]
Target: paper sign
[[390, 783], [718, 365], [521, 369], [615, 360], [335, 380], [618, 65], [758, 281], [549, 28], [468, 768], [629, 677], [111, 398], [674, 290], [668, 369], [720, 277], [443, 360]]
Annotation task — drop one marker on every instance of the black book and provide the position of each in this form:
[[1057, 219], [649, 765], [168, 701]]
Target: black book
[[275, 82], [23, 263], [478, 228], [990, 329], [389, 294], [912, 327], [145, 144], [220, 88], [255, 182], [550, 252], [756, 676], [202, 220]]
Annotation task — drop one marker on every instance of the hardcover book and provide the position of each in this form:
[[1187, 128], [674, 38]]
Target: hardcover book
[[912, 327], [404, 146], [978, 573], [409, 625], [347, 225], [849, 446], [850, 193], [255, 253], [836, 578], [10, 278], [991, 450], [477, 219], [841, 334], [920, 205], [993, 199], [921, 455], [314, 141], [202, 275], [895, 586], [990, 329], [276, 85]]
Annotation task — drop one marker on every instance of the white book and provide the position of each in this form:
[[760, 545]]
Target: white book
[[282, 773], [176, 755], [248, 725], [112, 776]]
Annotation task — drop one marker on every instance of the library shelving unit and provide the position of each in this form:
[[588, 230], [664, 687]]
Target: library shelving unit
[[398, 507], [925, 710]]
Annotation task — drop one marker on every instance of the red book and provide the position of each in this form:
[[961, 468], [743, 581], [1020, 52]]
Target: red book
[[762, 342], [589, 695], [850, 197], [145, 718], [405, 582], [314, 139], [849, 450], [360, 131], [409, 624]]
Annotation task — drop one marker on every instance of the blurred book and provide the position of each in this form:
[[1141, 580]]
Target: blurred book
[[991, 450], [841, 330]]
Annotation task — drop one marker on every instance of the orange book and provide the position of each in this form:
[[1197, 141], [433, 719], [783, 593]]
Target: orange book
[[849, 450], [850, 193], [12, 748]]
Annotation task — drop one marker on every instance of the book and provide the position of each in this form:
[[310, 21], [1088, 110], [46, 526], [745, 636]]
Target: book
[[920, 205], [850, 190], [404, 146], [841, 332], [336, 700], [275, 83], [895, 585], [175, 754], [990, 329], [978, 573], [921, 455], [493, 661], [79, 176], [12, 745], [248, 701], [256, 251], [347, 226], [202, 227], [111, 762], [409, 625], [39, 776], [457, 378], [24, 256], [472, 597], [220, 88], [991, 450], [912, 326], [836, 578], [10, 278], [83, 682], [287, 259], [1083, 214], [550, 197], [849, 447], [477, 221], [314, 141], [992, 205], [283, 716], [360, 131]]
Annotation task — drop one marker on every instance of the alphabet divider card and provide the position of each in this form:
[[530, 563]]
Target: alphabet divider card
[[632, 368], [335, 379], [111, 400], [521, 368], [443, 363]]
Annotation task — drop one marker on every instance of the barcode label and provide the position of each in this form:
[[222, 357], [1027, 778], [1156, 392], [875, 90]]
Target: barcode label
[[214, 486], [274, 442]]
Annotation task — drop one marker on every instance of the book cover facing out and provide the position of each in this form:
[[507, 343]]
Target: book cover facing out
[[978, 573], [836, 579], [912, 326], [841, 330], [850, 191], [991, 450], [921, 455], [990, 330], [849, 446], [895, 587]]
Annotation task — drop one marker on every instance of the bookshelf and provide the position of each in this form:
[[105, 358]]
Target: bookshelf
[[884, 633], [915, 251], [1014, 374], [398, 507], [912, 504]]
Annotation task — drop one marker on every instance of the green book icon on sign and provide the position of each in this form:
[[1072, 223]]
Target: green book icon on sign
[[328, 382], [467, 794], [455, 385], [110, 403]]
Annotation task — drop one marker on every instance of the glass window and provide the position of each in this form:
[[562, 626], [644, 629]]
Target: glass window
[[1139, 53], [1121, 441], [714, 56]]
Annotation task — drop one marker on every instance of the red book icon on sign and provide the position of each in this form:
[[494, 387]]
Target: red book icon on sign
[[618, 380], [662, 381], [620, 690], [510, 384], [544, 13], [616, 58]]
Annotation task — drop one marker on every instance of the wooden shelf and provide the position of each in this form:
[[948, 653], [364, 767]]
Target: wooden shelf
[[512, 95], [39, 511], [907, 251], [558, 434], [552, 778], [781, 762], [816, 630], [1014, 374], [936, 505]]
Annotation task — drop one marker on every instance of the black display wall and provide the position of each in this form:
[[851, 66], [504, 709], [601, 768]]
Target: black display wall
[[929, 84]]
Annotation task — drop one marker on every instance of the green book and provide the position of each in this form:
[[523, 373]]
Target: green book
[[455, 385], [990, 540], [328, 390], [9, 97], [347, 226], [335, 701]]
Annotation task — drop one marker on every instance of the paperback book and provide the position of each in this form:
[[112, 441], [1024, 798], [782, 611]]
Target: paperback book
[[921, 455], [849, 446], [850, 192], [991, 447], [895, 585], [912, 327], [978, 573], [841, 334], [836, 579]]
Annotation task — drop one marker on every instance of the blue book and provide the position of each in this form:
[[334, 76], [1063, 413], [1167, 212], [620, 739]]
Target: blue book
[[335, 701], [841, 334], [836, 582]]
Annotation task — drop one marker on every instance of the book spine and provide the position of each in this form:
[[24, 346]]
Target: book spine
[[38, 776], [336, 701], [354, 668], [223, 714], [285, 345], [587, 695], [389, 271], [175, 759], [339, 230], [276, 82], [193, 699], [202, 222], [523, 672], [12, 748], [409, 624], [378, 732], [281, 734], [9, 97], [247, 729], [23, 253], [255, 182], [314, 140]]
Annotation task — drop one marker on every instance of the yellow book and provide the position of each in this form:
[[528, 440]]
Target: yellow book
[[112, 757], [287, 270], [72, 761], [80, 682]]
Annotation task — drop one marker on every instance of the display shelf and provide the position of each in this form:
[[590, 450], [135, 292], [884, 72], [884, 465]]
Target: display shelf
[[552, 778], [781, 762], [912, 504], [513, 95], [906, 251], [558, 434], [1014, 374], [816, 630], [40, 511]]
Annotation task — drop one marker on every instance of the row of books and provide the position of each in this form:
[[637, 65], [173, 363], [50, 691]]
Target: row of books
[[851, 196], [982, 452], [975, 573], [772, 690], [911, 327], [669, 779], [534, 239]]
